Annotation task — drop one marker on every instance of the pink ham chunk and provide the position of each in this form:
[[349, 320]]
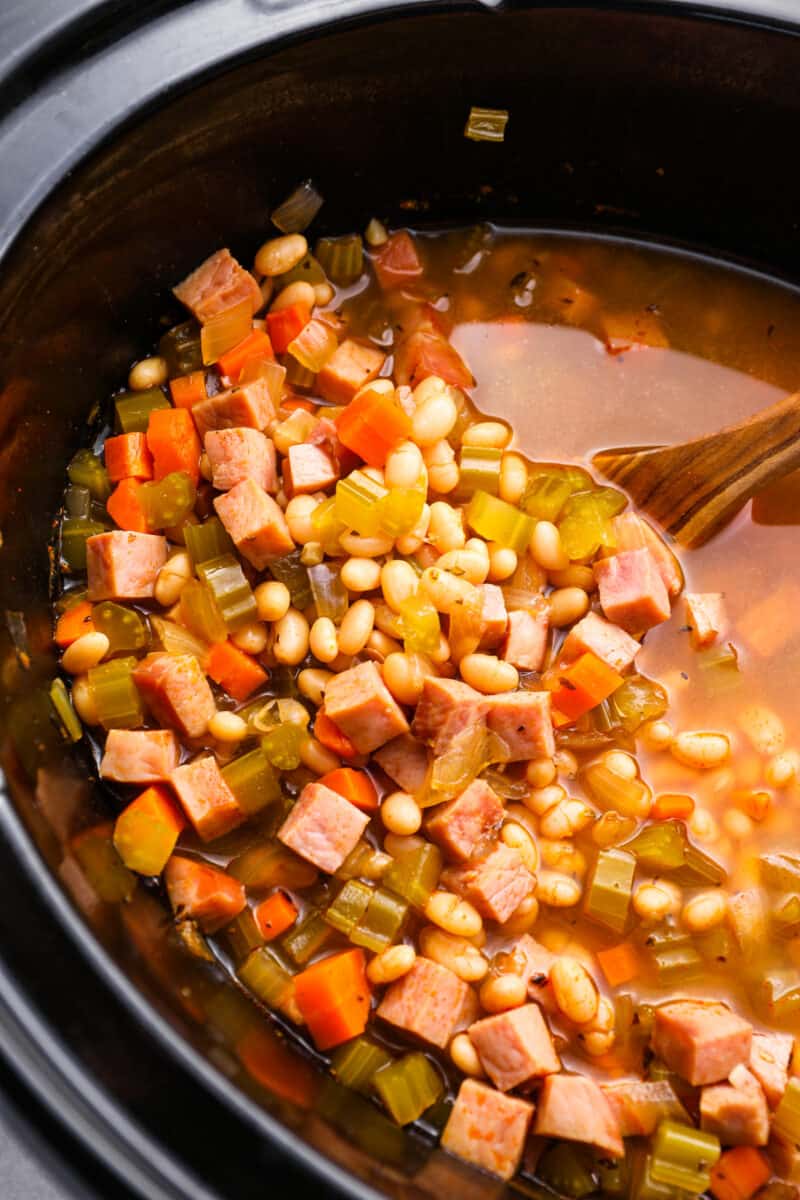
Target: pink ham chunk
[[515, 1046], [124, 566], [632, 592], [360, 704], [427, 1002], [573, 1107], [139, 755], [522, 721], [238, 454], [308, 469], [202, 893], [495, 884], [594, 635], [323, 827], [176, 691], [769, 1062], [639, 1107], [702, 1041], [206, 798], [634, 533], [218, 284], [255, 523], [462, 824], [248, 406], [351, 366], [736, 1111], [494, 618], [446, 709], [487, 1129], [405, 761], [526, 639], [705, 616]]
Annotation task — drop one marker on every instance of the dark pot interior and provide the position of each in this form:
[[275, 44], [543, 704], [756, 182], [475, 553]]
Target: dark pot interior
[[657, 122]]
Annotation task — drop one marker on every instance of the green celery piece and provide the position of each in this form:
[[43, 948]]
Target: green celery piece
[[180, 346], [253, 781], [271, 865], [243, 936], [546, 494], [167, 501], [123, 626], [341, 258], [78, 501], [297, 375], [232, 593], [415, 874], [420, 625], [327, 526], [609, 890], [683, 1157], [349, 906], [497, 521], [355, 1063], [778, 995], [401, 509], [780, 872], [614, 1179], [569, 1170], [787, 1115], [74, 534], [585, 523], [102, 866], [629, 797], [408, 1086], [637, 700], [265, 975], [133, 409], [365, 861], [643, 1186], [200, 613], [116, 697], [720, 669], [786, 916], [308, 270], [674, 956], [307, 937], [479, 470], [329, 593], [282, 745], [382, 923], [65, 714], [362, 1123], [87, 470], [291, 571], [660, 847], [358, 503], [699, 870], [207, 540]]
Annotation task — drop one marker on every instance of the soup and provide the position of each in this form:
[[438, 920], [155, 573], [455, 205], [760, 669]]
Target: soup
[[433, 740]]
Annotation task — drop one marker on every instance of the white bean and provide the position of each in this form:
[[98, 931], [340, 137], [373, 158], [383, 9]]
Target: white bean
[[312, 682], [298, 292], [148, 373], [322, 640], [782, 769], [356, 627], [492, 434], [764, 729], [503, 992], [227, 727], [574, 990], [290, 644], [435, 412], [446, 527], [621, 764], [517, 837], [279, 255], [323, 294], [446, 590], [513, 478], [465, 563], [365, 547], [542, 799], [316, 757], [705, 911], [651, 902], [465, 1056], [410, 543], [502, 562], [172, 579], [458, 954], [83, 700], [392, 963], [85, 652], [360, 574], [540, 772], [488, 674], [546, 547], [657, 735], [453, 915], [404, 675], [399, 582], [404, 466], [273, 600], [575, 575], [557, 890], [401, 814], [443, 472], [298, 518], [701, 750], [567, 605], [251, 637]]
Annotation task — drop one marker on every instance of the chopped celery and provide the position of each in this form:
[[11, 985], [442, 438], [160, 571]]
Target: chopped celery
[[271, 865], [312, 554], [123, 627], [252, 781], [408, 1086], [225, 330], [608, 894], [290, 570], [479, 470], [180, 346], [780, 872], [364, 861], [547, 492], [683, 1157], [362, 1124], [87, 470], [674, 955], [297, 375], [297, 211], [243, 935], [382, 923], [200, 613], [630, 797], [787, 1115], [207, 540], [568, 1169], [642, 1184], [307, 937], [65, 714], [420, 624], [778, 995], [614, 1179], [486, 124], [77, 501], [611, 828], [660, 847], [699, 870], [133, 409], [342, 258], [401, 509], [330, 595], [717, 945], [358, 503], [349, 906], [307, 270], [497, 521], [102, 866], [265, 975], [167, 501], [327, 526], [355, 1063], [786, 916], [74, 533], [720, 669], [115, 695], [314, 345], [639, 699], [232, 593], [415, 874], [282, 745]]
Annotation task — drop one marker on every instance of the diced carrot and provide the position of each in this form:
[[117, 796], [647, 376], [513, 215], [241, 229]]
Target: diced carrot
[[739, 1173], [127, 457], [125, 506], [397, 261], [334, 998], [238, 673], [292, 403], [173, 442], [753, 802], [188, 390], [372, 425], [275, 915], [146, 831], [619, 963], [327, 732], [256, 347], [672, 805], [355, 786], [276, 1066], [284, 325], [73, 623], [583, 685]]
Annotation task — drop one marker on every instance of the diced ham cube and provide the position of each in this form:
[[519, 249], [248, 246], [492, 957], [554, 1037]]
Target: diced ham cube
[[351, 366], [769, 1062], [487, 1129], [427, 1002], [308, 469], [323, 827], [397, 261], [736, 1111], [243, 453], [206, 798], [360, 704], [202, 893], [423, 354], [495, 884], [446, 708], [515, 1046], [632, 592], [522, 720], [124, 566], [640, 1106], [573, 1107], [702, 1041], [462, 824], [634, 533], [494, 618], [139, 755], [785, 1158], [217, 284], [255, 523], [176, 691], [594, 635], [526, 639], [705, 616], [248, 406], [405, 761]]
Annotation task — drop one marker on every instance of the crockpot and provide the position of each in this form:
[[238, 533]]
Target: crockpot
[[137, 138]]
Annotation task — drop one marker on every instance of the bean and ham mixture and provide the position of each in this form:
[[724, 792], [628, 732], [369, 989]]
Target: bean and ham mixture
[[364, 672]]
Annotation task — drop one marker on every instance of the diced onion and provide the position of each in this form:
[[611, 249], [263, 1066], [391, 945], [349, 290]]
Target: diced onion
[[298, 210], [226, 330], [314, 345]]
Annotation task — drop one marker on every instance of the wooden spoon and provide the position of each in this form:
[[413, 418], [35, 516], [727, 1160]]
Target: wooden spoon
[[693, 489]]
